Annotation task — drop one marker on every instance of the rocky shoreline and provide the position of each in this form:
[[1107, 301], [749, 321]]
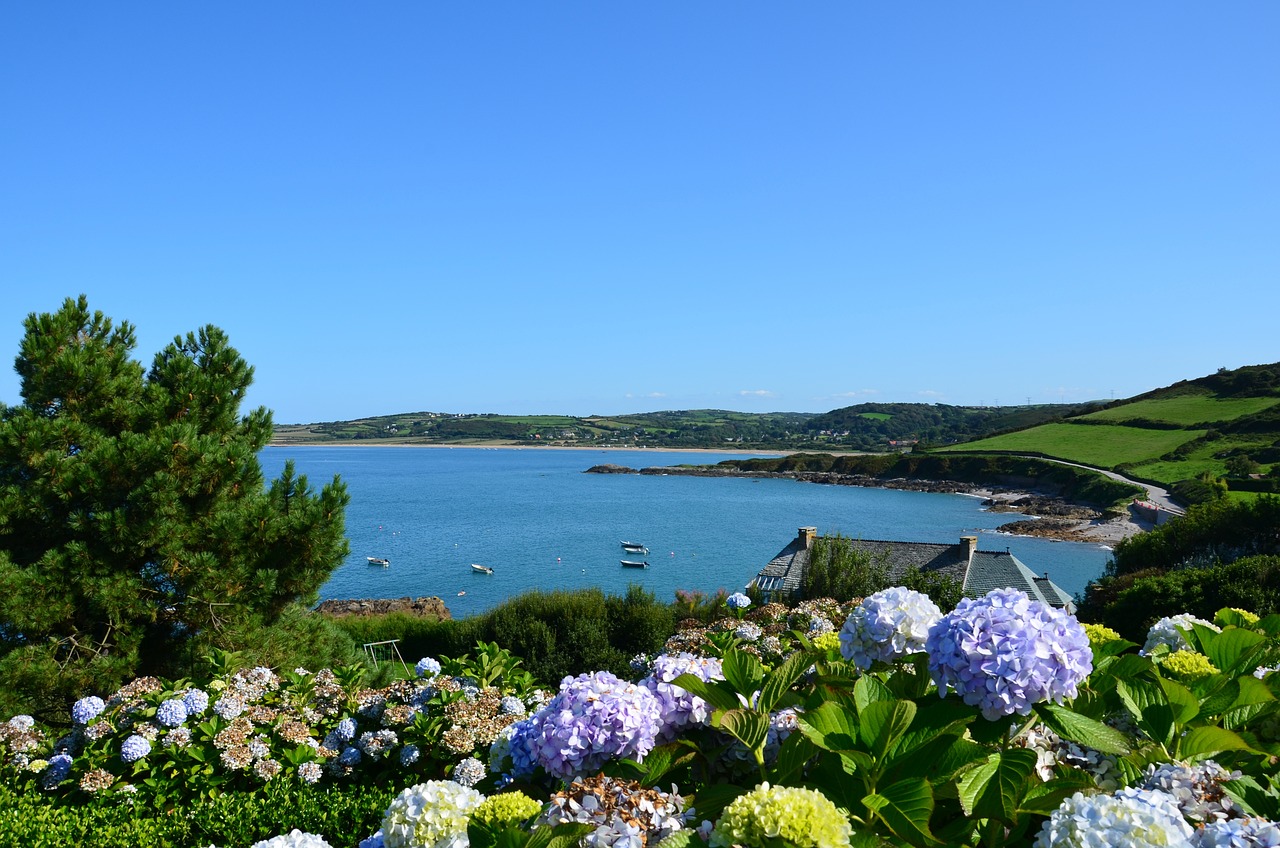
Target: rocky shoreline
[[429, 607], [1055, 518]]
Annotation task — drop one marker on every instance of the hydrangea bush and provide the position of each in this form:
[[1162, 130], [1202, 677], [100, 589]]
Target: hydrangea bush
[[1007, 724]]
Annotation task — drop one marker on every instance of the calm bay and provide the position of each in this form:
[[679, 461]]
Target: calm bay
[[541, 523]]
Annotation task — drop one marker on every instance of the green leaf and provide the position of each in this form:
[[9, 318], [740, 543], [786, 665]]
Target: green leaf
[[996, 788], [1149, 706], [1253, 797], [1206, 741], [793, 753], [782, 678], [1043, 798], [882, 723], [869, 690], [1226, 649], [830, 727], [1186, 706], [908, 812], [747, 726], [743, 671], [718, 697], [1092, 734]]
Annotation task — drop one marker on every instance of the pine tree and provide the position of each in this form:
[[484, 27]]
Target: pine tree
[[136, 529]]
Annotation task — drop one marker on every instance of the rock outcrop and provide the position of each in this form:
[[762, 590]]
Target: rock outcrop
[[431, 607]]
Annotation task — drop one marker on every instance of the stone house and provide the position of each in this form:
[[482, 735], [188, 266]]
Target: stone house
[[978, 572]]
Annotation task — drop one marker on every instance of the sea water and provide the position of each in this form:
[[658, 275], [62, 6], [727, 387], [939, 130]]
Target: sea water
[[539, 522]]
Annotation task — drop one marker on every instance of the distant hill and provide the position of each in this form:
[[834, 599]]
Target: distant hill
[[1223, 425]]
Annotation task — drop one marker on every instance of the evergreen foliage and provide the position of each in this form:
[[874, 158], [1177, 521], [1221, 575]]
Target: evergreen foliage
[[136, 531]]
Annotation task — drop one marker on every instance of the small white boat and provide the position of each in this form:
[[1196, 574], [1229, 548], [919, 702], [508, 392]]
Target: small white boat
[[634, 548], [481, 569], [632, 563], [378, 561]]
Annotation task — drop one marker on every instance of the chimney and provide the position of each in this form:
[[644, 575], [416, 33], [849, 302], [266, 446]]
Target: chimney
[[807, 535], [970, 544]]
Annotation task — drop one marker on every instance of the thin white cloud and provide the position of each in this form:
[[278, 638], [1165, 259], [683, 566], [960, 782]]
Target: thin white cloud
[[759, 393], [646, 395], [855, 394]]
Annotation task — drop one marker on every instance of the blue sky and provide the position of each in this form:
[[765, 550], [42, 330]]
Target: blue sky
[[599, 208]]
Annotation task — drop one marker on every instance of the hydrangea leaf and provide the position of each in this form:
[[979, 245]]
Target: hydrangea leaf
[[719, 697], [995, 789], [830, 727], [1069, 724], [782, 678], [743, 671], [907, 811], [749, 727], [1232, 649], [1207, 741], [867, 690], [881, 724]]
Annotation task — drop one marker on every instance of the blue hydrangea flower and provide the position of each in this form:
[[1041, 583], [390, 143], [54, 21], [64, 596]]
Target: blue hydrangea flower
[[748, 631], [737, 601], [56, 772], [1004, 652], [678, 708], [595, 718], [87, 709], [511, 705], [469, 772], [427, 667], [1131, 818], [171, 713], [409, 755], [346, 729], [350, 756], [1239, 833], [229, 706], [134, 748], [196, 701], [887, 626]]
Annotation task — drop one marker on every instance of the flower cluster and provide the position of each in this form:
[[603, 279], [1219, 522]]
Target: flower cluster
[[1131, 818], [887, 626], [87, 709], [294, 839], [1187, 666], [624, 812], [595, 718], [1166, 632], [679, 709], [1052, 750], [429, 814], [737, 601], [804, 818], [427, 667], [1239, 833], [1004, 652], [1195, 788], [508, 808]]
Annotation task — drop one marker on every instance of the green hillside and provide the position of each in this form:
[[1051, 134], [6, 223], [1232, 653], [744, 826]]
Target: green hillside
[[1224, 425]]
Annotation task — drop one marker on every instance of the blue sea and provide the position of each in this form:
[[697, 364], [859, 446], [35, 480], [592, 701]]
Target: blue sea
[[541, 523]]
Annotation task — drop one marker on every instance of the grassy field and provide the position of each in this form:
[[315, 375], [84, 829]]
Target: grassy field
[[1099, 445], [1185, 410], [876, 416]]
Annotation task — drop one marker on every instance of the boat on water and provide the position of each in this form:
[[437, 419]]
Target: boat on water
[[633, 563], [378, 561], [634, 548], [481, 569]]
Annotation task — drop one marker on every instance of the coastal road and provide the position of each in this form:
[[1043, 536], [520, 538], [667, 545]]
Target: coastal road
[[1156, 495]]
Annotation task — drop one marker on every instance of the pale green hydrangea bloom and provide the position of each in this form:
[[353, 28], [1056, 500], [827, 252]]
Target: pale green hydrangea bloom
[[1100, 634], [504, 809], [430, 815], [802, 817], [1187, 666], [827, 641]]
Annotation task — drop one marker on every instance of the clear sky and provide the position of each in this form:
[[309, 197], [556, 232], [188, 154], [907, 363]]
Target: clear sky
[[599, 208]]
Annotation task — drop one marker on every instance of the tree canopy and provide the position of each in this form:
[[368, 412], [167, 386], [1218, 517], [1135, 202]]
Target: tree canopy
[[136, 528]]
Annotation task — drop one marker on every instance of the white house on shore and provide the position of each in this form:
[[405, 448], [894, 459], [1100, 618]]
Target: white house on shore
[[978, 572]]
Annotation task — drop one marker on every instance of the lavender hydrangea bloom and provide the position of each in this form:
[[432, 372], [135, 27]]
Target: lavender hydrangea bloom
[[134, 748], [1239, 833], [737, 601], [679, 709], [196, 701], [1195, 787], [1004, 652], [594, 719], [887, 625], [171, 713], [1165, 632], [1128, 819], [427, 667], [87, 709]]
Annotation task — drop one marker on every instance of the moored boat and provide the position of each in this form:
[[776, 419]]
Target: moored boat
[[634, 548], [631, 563], [378, 561], [481, 569]]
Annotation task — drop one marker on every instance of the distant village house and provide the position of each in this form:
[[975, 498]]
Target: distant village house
[[978, 572]]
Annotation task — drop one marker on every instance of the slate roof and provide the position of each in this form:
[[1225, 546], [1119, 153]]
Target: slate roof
[[978, 571]]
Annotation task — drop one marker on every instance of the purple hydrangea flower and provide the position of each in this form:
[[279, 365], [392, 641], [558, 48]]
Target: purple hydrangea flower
[[134, 748], [87, 709], [887, 625], [1004, 652], [678, 708], [594, 719], [196, 701], [171, 713]]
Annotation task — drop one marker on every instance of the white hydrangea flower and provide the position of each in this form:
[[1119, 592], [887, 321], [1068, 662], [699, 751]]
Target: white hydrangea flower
[[1165, 632], [887, 625], [294, 839], [430, 815]]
